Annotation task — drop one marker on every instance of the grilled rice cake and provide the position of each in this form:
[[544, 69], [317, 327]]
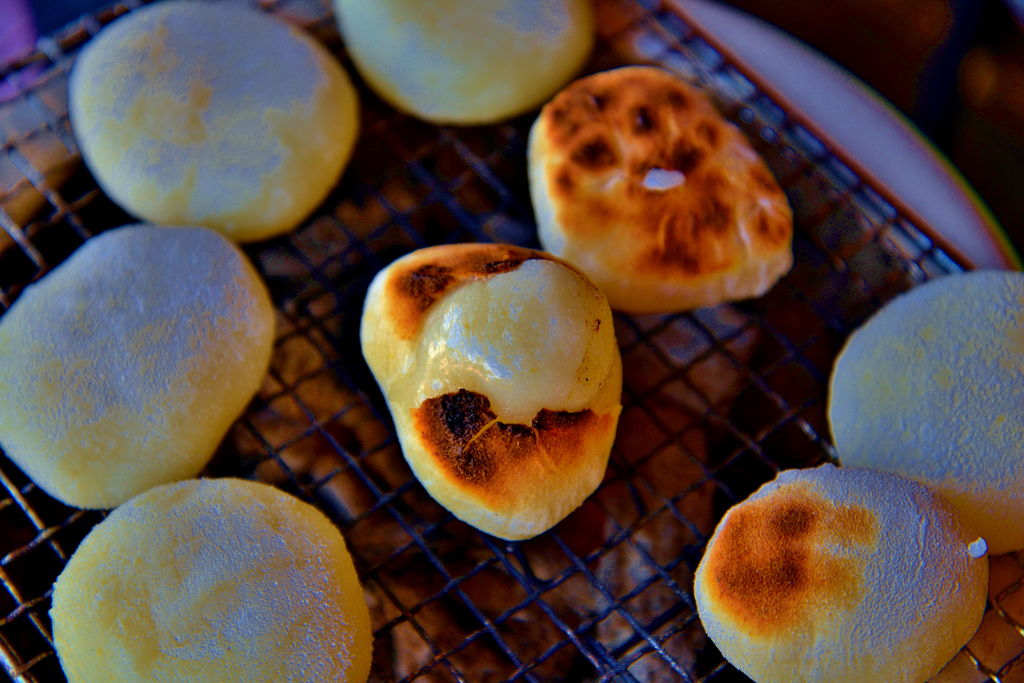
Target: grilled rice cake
[[501, 370], [843, 575], [638, 180]]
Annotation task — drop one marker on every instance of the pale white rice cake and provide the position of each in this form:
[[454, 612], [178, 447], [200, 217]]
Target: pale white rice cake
[[466, 62], [932, 387], [212, 114], [125, 366], [207, 581]]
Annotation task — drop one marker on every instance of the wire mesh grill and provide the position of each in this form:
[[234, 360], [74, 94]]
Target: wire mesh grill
[[715, 402]]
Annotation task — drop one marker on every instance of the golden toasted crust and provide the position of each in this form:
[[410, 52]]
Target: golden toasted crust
[[768, 567], [420, 282], [655, 243], [125, 367]]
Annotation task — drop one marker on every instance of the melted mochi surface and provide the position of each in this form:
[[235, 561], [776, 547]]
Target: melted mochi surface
[[529, 339]]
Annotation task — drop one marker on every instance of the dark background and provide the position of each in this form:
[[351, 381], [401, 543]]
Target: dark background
[[954, 67]]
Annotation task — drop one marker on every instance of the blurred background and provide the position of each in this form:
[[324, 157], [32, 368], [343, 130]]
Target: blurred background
[[955, 68]]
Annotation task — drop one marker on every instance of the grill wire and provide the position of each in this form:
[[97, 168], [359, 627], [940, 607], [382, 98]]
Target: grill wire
[[715, 402]]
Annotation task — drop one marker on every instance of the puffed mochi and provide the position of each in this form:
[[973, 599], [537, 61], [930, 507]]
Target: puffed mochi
[[932, 387], [639, 181], [125, 366], [212, 580], [212, 114], [843, 575], [466, 62], [502, 373]]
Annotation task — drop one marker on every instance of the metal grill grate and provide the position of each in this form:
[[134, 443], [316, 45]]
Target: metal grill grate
[[715, 402]]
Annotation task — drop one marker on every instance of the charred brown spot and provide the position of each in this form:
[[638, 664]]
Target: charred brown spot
[[773, 558], [594, 154], [773, 229], [564, 120], [502, 266], [550, 419], [783, 575], [715, 215], [792, 521], [513, 432], [790, 572], [688, 263], [464, 413], [764, 180], [763, 226], [450, 423], [462, 432], [564, 182], [677, 248], [708, 132], [684, 240], [425, 283], [676, 99], [685, 237], [644, 120], [597, 100], [560, 113], [685, 157], [679, 251]]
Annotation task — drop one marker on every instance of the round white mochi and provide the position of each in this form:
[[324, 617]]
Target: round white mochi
[[466, 61], [208, 581], [842, 575], [212, 114], [124, 367], [932, 387]]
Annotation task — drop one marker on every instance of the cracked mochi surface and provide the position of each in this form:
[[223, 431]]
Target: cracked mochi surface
[[125, 366], [212, 580], [503, 376], [212, 114]]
